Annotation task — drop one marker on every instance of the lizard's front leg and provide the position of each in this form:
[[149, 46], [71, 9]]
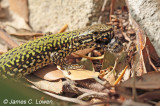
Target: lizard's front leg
[[58, 59]]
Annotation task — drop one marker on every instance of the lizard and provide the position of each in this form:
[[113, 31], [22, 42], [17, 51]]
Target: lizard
[[53, 48]]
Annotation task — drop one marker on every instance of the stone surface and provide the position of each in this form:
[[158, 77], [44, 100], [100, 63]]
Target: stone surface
[[147, 15], [51, 15]]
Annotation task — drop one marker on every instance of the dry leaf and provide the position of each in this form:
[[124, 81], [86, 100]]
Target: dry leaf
[[110, 76], [152, 51], [80, 74], [152, 95], [82, 52], [87, 63], [147, 81], [55, 87], [20, 7], [49, 73], [109, 60]]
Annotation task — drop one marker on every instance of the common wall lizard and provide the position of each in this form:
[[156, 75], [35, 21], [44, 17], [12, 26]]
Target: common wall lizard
[[36, 54]]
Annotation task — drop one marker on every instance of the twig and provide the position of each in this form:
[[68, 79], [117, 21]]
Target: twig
[[112, 8], [102, 10], [27, 34], [104, 4], [100, 81], [120, 77], [129, 45], [115, 64], [134, 92], [62, 97], [126, 37]]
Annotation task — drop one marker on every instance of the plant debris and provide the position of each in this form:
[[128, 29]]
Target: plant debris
[[105, 77]]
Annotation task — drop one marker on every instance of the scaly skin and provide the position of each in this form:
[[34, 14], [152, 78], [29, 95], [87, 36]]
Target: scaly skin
[[36, 54]]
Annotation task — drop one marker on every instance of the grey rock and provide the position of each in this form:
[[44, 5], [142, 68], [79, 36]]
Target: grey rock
[[147, 15]]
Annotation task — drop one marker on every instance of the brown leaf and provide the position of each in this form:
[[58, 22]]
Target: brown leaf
[[110, 77], [152, 95], [21, 8], [55, 87], [82, 52], [109, 60], [49, 73], [147, 81], [87, 63], [81, 74], [152, 51]]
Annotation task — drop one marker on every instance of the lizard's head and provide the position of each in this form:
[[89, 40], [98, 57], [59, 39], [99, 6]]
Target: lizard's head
[[100, 35], [104, 37]]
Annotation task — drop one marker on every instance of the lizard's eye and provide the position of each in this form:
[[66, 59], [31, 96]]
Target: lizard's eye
[[95, 32]]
